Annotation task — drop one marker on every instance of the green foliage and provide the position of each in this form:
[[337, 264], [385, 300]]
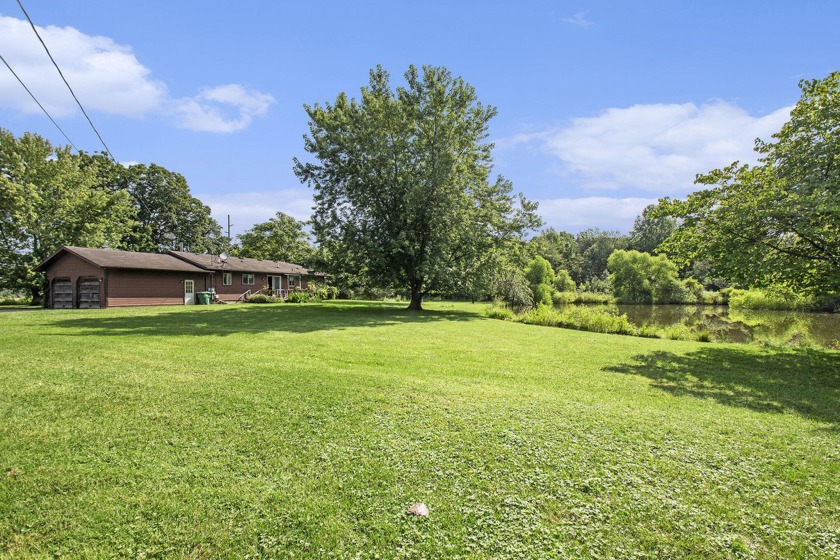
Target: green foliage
[[580, 318], [263, 298], [650, 230], [761, 299], [298, 297], [326, 292], [281, 238], [776, 224], [540, 277], [641, 278], [167, 217], [595, 247], [693, 291], [558, 248], [50, 197], [563, 281], [402, 189]]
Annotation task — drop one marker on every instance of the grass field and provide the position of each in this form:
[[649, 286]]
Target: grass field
[[306, 431]]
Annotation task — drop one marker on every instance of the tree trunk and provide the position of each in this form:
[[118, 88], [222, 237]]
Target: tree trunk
[[416, 303], [37, 295]]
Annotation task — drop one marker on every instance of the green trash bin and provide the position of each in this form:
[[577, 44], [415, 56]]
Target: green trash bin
[[202, 298]]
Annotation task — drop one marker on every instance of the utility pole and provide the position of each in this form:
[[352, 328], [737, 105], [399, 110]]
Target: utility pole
[[230, 240]]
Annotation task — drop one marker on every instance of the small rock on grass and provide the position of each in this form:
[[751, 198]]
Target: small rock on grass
[[419, 509]]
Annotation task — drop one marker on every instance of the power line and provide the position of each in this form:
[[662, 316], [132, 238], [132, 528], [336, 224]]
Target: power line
[[60, 73], [38, 102]]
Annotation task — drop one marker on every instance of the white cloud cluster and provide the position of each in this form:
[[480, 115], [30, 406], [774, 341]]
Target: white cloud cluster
[[576, 214], [658, 148], [107, 77], [206, 111]]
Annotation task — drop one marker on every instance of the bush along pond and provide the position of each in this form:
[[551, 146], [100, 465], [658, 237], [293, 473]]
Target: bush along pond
[[705, 323]]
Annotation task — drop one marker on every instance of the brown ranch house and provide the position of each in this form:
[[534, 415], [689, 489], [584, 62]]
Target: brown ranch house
[[79, 277]]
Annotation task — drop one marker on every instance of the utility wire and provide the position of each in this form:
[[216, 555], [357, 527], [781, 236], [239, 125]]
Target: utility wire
[[38, 102], [60, 73]]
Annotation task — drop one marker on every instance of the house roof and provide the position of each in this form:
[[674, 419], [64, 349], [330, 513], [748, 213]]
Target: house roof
[[239, 264], [110, 258], [177, 261]]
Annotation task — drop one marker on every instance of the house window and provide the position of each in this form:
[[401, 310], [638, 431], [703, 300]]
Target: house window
[[227, 278], [248, 279], [294, 281]]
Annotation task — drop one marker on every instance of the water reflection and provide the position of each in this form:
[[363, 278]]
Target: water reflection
[[739, 325]]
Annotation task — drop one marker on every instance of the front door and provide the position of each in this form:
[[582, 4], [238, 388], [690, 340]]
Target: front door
[[189, 292]]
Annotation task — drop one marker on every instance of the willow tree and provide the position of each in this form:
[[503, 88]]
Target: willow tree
[[402, 183]]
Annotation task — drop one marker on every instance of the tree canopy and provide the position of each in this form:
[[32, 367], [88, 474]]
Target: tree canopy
[[49, 198], [401, 180], [281, 238], [778, 223], [167, 215]]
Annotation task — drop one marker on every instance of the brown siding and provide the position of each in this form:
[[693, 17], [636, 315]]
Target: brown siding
[[71, 267], [139, 287], [237, 288]]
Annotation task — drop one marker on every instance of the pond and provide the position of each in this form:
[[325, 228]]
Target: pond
[[725, 324]]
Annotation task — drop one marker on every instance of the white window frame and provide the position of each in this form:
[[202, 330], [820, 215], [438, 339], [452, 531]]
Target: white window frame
[[227, 278], [294, 282], [246, 277]]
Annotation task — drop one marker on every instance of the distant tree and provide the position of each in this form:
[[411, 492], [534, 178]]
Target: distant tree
[[595, 247], [557, 247], [281, 238], [563, 281], [49, 198], [540, 278], [641, 278], [401, 179], [778, 223], [167, 216], [650, 230]]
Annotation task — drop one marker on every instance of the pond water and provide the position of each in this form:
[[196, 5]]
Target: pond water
[[740, 325]]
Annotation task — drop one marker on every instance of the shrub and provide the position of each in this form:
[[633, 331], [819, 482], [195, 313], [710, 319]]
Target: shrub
[[543, 293], [540, 277], [640, 278], [298, 297], [563, 281], [563, 297], [692, 291], [760, 299], [500, 312], [262, 298]]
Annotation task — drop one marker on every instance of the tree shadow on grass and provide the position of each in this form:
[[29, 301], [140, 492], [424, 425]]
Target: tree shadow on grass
[[252, 319], [804, 381]]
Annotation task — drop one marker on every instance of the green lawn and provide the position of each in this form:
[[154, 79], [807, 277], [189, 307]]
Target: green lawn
[[306, 431]]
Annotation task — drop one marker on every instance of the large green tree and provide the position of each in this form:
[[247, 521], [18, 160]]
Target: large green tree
[[402, 183], [49, 198], [167, 216], [281, 238], [650, 230], [778, 223]]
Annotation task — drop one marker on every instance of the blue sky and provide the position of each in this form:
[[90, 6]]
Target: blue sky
[[604, 106]]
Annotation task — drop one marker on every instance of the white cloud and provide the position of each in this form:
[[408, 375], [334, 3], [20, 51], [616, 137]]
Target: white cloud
[[658, 148], [248, 208], [576, 214], [206, 111], [108, 77], [579, 19]]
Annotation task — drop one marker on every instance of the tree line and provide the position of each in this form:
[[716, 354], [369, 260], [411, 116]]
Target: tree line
[[405, 203]]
